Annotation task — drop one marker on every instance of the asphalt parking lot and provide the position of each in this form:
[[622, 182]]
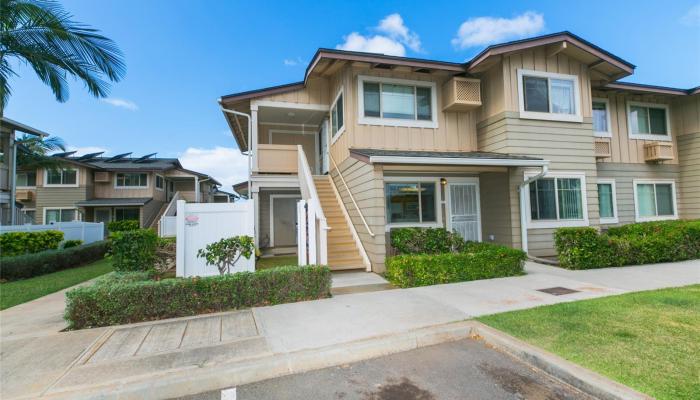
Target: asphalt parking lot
[[465, 369]]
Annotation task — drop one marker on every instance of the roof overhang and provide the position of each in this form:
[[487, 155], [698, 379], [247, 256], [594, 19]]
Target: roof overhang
[[645, 89], [18, 126], [608, 66], [124, 202], [442, 158]]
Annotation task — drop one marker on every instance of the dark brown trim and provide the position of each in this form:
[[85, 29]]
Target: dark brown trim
[[360, 157], [288, 87]]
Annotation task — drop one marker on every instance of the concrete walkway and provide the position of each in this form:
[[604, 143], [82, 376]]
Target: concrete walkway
[[187, 355]]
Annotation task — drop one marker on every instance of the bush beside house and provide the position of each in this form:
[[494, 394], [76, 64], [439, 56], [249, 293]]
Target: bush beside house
[[35, 264], [122, 298], [134, 250], [642, 243], [435, 256], [17, 243], [123, 225]]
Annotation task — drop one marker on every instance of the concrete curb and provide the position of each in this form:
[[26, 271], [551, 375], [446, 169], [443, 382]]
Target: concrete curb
[[196, 379], [581, 378]]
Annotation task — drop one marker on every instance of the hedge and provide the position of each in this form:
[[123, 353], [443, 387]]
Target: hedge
[[643, 243], [119, 299], [123, 225], [134, 250], [30, 265], [425, 241], [477, 261], [17, 243]]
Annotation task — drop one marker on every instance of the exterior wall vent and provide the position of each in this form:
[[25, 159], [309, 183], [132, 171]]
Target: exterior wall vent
[[101, 176], [658, 151], [461, 94], [602, 148]]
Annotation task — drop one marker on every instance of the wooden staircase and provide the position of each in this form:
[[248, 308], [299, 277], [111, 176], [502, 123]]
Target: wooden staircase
[[343, 252]]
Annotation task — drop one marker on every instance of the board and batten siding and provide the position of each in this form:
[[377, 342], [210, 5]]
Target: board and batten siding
[[456, 131], [366, 183], [624, 175], [315, 92], [686, 119], [495, 203]]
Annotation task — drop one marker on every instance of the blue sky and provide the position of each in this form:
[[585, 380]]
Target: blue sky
[[182, 56]]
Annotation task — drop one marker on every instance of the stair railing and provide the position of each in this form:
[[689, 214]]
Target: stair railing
[[313, 245], [166, 224]]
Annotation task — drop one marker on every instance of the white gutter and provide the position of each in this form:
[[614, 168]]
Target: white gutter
[[457, 161], [249, 141], [523, 217]]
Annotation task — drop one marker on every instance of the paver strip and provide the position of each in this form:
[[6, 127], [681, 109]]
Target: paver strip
[[163, 337], [123, 343], [237, 326]]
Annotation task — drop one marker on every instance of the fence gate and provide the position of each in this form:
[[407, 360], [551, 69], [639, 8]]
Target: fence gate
[[199, 224]]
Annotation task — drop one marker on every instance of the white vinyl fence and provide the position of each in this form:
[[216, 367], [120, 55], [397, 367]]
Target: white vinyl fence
[[88, 232], [199, 224]]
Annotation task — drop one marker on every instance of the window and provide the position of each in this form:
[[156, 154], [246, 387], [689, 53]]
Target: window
[[648, 121], [550, 96], [61, 177], [558, 200], [121, 214], [132, 180], [654, 200], [160, 182], [411, 202], [601, 118], [337, 116], [28, 216], [397, 102], [53, 215], [26, 179], [607, 201]]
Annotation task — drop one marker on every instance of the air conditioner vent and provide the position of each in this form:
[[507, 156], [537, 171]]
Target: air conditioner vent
[[461, 94], [101, 176]]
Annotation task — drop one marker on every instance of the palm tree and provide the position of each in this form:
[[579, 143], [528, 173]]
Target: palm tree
[[33, 152], [41, 34]]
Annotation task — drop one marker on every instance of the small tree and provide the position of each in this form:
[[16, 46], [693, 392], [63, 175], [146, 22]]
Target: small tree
[[226, 252]]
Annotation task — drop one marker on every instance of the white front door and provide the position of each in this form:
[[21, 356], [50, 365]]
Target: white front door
[[464, 210]]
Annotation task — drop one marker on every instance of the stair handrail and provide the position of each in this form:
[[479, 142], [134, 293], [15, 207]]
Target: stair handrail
[[308, 193], [352, 198], [172, 205]]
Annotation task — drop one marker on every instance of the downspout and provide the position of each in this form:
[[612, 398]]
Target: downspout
[[13, 178], [250, 139], [523, 218]]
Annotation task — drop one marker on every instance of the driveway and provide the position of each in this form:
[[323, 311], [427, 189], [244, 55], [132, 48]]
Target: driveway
[[465, 369]]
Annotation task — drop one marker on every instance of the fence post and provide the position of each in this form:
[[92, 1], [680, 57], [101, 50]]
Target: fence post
[[301, 232], [180, 239]]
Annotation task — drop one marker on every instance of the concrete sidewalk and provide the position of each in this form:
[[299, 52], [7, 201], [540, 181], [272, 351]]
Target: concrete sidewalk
[[188, 355]]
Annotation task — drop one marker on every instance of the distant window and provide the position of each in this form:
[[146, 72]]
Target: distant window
[[132, 180], [121, 214], [28, 216], [397, 102], [337, 116], [26, 179], [648, 121], [547, 95], [64, 176], [60, 215], [601, 118], [654, 200], [160, 182]]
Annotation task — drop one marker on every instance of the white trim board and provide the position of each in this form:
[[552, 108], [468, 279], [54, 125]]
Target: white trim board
[[637, 218], [285, 104]]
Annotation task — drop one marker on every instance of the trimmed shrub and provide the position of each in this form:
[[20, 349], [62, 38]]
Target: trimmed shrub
[[123, 225], [425, 241], [16, 243], [643, 243], [478, 261], [30, 265], [120, 300], [71, 243], [134, 250]]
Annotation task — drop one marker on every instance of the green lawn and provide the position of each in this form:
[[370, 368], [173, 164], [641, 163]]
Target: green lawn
[[22, 291], [277, 261], [649, 341]]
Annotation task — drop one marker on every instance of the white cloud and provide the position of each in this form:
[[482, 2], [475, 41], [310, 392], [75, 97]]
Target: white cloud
[[293, 62], [81, 151], [692, 17], [482, 31], [226, 164], [122, 103], [393, 38]]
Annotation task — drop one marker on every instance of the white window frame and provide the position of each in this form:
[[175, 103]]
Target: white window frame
[[24, 211], [148, 183], [608, 133], [615, 218], [361, 119], [549, 116], [26, 187], [638, 218], [155, 183], [438, 202], [649, 136], [77, 178], [272, 212], [77, 213], [558, 223], [341, 129]]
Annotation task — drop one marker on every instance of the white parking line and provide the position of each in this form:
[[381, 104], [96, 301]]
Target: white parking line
[[228, 394]]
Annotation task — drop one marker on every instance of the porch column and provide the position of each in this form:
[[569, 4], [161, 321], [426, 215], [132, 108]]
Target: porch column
[[254, 135]]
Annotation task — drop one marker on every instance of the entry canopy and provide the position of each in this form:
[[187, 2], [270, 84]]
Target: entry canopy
[[474, 158]]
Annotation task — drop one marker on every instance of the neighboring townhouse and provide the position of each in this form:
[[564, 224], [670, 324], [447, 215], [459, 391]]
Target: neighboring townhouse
[[10, 209], [526, 137], [93, 188]]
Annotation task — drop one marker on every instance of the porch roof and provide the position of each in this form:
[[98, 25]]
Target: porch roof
[[377, 156], [134, 201]]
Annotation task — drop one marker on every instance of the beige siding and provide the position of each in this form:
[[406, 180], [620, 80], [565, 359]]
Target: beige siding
[[622, 148], [315, 92], [366, 183], [624, 174], [495, 203], [689, 155], [57, 197], [280, 134], [107, 190]]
